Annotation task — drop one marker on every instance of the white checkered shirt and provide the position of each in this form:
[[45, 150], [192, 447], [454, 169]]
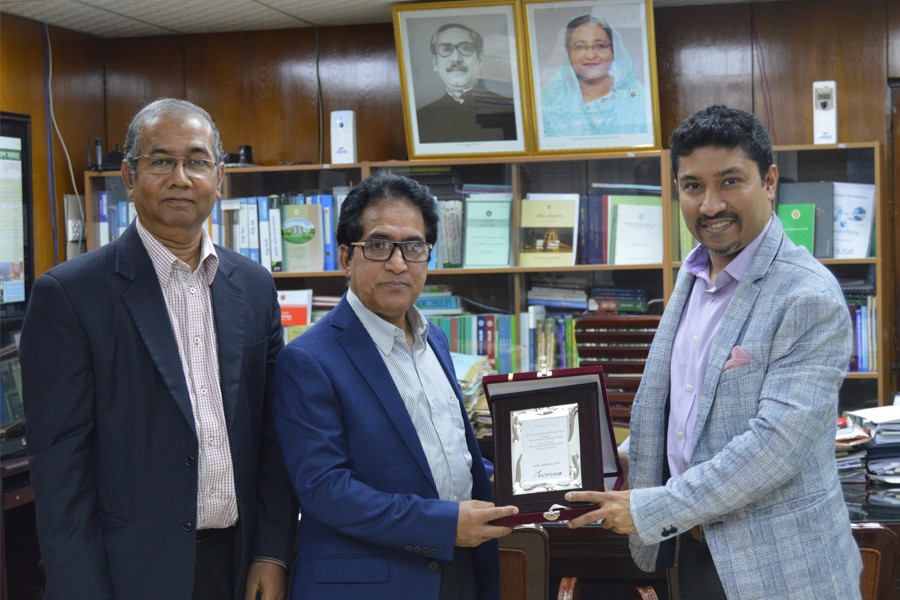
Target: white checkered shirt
[[189, 303]]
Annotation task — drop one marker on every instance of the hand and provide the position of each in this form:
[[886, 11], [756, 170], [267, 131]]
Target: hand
[[472, 526], [266, 579], [614, 511]]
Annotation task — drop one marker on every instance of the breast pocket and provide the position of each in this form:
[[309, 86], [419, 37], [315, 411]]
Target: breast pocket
[[737, 396]]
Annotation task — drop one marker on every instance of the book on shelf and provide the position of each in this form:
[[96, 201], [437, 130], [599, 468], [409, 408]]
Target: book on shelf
[[821, 195], [450, 233], [618, 306], [329, 248], [854, 218], [799, 222], [296, 312], [265, 236], [303, 249], [103, 217], [252, 216], [439, 305], [548, 230], [686, 241], [275, 243], [635, 230], [488, 221]]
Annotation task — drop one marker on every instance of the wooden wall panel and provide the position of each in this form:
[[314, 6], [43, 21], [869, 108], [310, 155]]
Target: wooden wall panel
[[260, 88], [139, 71], [358, 70], [847, 44], [78, 104], [702, 60]]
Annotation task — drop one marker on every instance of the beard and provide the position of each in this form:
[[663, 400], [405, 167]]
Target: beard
[[732, 247]]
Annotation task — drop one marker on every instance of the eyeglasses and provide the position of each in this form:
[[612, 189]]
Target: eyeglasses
[[464, 48], [383, 250], [163, 164], [597, 47]]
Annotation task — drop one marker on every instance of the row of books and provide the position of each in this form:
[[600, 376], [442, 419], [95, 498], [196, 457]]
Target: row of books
[[830, 219], [864, 318], [609, 225], [598, 300], [284, 233], [513, 343]]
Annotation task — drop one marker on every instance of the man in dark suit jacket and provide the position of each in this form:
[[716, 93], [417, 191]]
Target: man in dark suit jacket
[[146, 366], [467, 111], [394, 494]]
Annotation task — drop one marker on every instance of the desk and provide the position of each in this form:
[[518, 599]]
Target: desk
[[20, 574], [600, 559], [863, 506]]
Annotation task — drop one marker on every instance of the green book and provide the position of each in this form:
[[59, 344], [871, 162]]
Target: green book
[[799, 221]]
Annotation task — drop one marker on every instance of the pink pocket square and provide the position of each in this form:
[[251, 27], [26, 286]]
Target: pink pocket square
[[736, 359]]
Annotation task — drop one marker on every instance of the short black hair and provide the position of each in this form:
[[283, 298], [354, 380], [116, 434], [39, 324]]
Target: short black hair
[[722, 127], [476, 37], [385, 186]]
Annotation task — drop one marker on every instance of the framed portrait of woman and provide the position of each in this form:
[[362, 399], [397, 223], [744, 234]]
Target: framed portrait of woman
[[592, 66], [462, 74]]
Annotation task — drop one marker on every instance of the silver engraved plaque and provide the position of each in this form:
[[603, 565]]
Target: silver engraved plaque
[[545, 449]]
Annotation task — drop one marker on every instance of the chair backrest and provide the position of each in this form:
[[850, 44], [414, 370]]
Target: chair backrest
[[525, 564], [877, 547], [619, 344]]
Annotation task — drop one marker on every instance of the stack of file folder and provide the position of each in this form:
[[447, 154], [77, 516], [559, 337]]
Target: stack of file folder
[[850, 451], [882, 423]]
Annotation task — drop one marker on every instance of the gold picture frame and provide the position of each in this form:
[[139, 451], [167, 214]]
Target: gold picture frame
[[472, 101], [592, 75]]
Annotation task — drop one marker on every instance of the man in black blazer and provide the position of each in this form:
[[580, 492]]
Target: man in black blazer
[[146, 369]]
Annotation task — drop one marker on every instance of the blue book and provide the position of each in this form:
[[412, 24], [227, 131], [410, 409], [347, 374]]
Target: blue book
[[558, 303], [215, 226], [503, 360], [480, 348], [265, 236], [328, 230], [859, 328], [122, 215]]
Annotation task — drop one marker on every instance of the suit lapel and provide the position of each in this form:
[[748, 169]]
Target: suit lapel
[[147, 306], [227, 302], [364, 355]]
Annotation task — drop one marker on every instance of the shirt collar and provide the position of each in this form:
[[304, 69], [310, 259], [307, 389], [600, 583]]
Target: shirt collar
[[697, 261], [164, 262], [384, 334]]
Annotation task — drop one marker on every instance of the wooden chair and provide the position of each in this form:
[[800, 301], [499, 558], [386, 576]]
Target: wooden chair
[[619, 344], [525, 567], [878, 548]]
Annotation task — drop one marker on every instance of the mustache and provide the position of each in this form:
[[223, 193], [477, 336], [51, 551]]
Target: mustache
[[725, 214], [457, 66]]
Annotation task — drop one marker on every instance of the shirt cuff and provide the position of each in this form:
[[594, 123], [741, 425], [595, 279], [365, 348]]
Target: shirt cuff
[[269, 559]]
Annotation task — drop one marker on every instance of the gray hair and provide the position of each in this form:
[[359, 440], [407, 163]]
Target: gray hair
[[157, 109]]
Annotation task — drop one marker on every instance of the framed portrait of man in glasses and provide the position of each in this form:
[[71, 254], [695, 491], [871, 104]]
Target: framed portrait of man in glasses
[[592, 73], [461, 75]]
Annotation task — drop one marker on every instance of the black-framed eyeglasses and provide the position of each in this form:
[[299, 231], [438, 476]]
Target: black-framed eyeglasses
[[445, 49], [383, 250], [163, 164]]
